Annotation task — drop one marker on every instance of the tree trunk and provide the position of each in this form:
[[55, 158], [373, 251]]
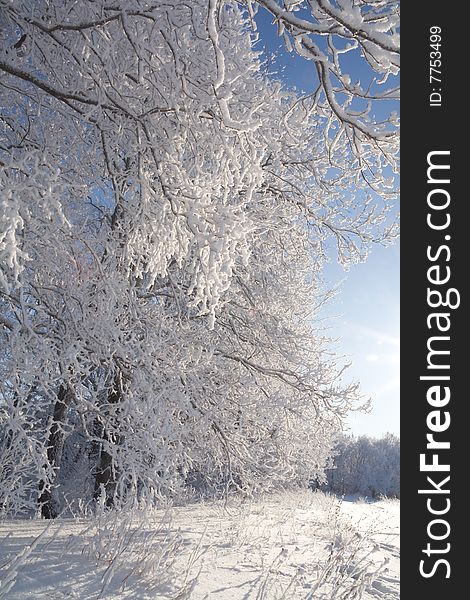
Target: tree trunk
[[54, 450], [105, 477]]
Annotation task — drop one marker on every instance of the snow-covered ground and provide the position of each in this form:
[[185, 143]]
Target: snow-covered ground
[[301, 545]]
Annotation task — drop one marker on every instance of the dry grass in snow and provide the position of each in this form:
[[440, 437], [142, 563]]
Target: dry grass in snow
[[292, 546]]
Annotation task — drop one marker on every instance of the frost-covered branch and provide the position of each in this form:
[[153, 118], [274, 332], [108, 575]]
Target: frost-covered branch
[[166, 210]]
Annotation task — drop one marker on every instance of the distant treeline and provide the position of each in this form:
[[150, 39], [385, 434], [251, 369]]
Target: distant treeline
[[366, 466]]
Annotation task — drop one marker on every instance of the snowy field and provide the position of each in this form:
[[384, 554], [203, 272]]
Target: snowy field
[[292, 546]]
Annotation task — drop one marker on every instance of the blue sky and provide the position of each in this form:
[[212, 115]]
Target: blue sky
[[364, 316]]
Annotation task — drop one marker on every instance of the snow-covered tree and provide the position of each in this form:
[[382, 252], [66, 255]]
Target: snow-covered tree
[[366, 465], [327, 33], [165, 211]]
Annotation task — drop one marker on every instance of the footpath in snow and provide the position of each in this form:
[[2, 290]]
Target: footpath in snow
[[292, 546]]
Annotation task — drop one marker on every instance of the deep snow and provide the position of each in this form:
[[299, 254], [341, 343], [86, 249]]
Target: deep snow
[[301, 545]]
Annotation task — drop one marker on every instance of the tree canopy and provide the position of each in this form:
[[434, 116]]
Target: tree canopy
[[165, 212]]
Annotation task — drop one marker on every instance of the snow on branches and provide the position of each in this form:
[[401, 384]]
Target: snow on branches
[[166, 208]]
